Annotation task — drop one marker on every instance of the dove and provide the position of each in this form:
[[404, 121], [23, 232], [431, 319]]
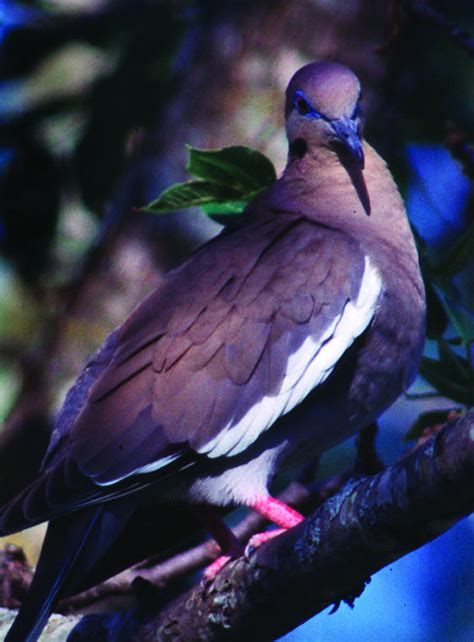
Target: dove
[[288, 332]]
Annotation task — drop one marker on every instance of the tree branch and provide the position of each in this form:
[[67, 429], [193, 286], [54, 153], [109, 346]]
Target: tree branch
[[428, 13], [330, 557], [161, 574], [403, 9], [461, 150]]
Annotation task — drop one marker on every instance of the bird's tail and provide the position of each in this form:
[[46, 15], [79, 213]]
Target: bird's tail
[[72, 546]]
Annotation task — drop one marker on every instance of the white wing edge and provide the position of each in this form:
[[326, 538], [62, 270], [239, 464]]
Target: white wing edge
[[307, 368]]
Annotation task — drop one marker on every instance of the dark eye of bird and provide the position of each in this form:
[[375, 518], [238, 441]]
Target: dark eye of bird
[[302, 106]]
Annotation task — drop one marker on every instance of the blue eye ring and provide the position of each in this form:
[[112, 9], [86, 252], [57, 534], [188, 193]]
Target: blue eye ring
[[303, 106]]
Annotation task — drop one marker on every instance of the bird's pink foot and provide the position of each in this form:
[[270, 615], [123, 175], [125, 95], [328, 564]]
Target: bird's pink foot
[[272, 509], [230, 553], [261, 538], [215, 568], [230, 546], [276, 512]]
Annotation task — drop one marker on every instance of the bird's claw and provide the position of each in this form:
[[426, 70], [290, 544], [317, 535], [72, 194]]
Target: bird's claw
[[261, 538], [215, 568]]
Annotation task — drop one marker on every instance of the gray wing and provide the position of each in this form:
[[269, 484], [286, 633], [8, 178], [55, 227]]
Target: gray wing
[[235, 337], [242, 333]]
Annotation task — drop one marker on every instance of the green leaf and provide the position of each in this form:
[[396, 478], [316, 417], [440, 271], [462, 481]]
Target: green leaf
[[190, 194], [226, 208], [445, 285], [224, 213], [228, 179], [462, 320], [449, 289], [438, 273], [428, 256], [240, 168], [459, 255], [427, 420], [456, 367], [436, 374], [436, 317]]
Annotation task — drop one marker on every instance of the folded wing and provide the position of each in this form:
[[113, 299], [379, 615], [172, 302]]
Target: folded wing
[[234, 338]]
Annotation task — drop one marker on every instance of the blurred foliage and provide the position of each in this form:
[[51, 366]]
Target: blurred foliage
[[79, 86], [124, 81], [428, 421], [29, 216]]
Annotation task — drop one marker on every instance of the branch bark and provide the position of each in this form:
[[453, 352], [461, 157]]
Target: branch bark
[[161, 574], [431, 15], [330, 557]]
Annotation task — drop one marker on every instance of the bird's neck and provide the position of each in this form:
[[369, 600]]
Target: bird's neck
[[342, 195], [364, 203]]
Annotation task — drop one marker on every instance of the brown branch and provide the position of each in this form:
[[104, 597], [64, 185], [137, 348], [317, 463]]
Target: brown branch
[[331, 555], [428, 13], [161, 574], [15, 576], [368, 524], [401, 10], [398, 18], [457, 143]]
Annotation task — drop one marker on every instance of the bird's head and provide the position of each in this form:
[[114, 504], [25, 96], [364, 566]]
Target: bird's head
[[322, 110]]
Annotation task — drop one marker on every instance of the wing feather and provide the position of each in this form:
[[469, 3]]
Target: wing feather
[[232, 339], [261, 340]]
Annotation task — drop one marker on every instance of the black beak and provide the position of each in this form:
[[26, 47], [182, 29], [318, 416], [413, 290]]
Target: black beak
[[347, 133]]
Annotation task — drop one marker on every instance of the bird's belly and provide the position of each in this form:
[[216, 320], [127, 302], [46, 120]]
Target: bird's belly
[[241, 480]]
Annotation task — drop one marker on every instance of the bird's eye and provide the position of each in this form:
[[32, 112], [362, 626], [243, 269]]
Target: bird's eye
[[302, 105]]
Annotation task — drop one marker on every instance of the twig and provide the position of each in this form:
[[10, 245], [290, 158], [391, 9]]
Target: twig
[[398, 17], [15, 576], [368, 524], [402, 9], [456, 142], [423, 10], [162, 574], [329, 557]]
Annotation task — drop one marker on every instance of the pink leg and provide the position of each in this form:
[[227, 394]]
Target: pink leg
[[211, 571], [261, 538], [268, 507], [228, 542], [276, 512]]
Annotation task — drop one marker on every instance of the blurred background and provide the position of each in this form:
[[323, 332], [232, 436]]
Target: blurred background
[[98, 99]]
